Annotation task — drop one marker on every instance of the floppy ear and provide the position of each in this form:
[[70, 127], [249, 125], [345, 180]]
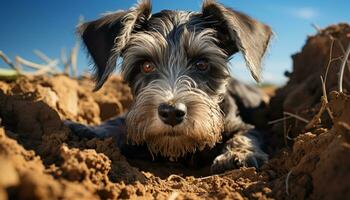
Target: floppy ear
[[106, 37], [239, 32]]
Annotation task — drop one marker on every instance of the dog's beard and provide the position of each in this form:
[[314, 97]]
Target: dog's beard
[[201, 127]]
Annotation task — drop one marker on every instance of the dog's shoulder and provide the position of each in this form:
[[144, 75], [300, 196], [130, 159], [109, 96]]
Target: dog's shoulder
[[244, 102]]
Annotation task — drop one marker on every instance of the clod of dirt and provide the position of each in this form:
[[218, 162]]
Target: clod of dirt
[[23, 176], [84, 165]]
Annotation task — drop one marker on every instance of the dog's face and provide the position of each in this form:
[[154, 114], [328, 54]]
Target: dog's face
[[176, 65]]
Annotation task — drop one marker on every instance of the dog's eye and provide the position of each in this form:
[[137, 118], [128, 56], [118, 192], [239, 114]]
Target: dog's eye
[[202, 65], [147, 67]]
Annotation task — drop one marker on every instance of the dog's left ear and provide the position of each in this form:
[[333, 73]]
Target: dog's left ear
[[238, 32]]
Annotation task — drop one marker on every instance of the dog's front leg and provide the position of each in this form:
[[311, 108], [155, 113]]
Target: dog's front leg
[[112, 128], [243, 141], [243, 149]]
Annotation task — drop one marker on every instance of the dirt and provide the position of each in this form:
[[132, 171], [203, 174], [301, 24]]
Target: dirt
[[41, 159], [302, 93]]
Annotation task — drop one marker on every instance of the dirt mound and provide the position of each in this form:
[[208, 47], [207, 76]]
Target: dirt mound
[[302, 93], [41, 159], [74, 99], [318, 164]]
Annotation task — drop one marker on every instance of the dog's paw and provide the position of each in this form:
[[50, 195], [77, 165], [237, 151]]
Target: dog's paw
[[235, 158]]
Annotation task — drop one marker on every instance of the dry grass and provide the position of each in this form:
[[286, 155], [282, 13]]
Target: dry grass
[[23, 67]]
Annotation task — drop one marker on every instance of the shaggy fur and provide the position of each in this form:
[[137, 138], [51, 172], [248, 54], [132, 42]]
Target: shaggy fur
[[175, 42]]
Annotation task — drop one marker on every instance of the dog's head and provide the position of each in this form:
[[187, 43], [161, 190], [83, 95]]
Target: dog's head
[[176, 65]]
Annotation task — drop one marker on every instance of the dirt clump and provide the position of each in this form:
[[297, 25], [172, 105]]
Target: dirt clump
[[41, 159], [318, 163], [302, 93], [24, 176]]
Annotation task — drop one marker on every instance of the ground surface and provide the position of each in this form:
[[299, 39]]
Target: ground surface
[[41, 159]]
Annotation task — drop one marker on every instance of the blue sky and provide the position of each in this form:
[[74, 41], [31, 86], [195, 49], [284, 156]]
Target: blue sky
[[49, 25]]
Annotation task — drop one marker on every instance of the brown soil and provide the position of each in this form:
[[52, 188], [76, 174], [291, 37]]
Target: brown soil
[[41, 159], [302, 93]]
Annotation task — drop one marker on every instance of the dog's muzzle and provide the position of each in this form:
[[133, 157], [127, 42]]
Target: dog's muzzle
[[173, 119]]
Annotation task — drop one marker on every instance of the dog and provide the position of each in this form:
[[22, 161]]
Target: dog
[[185, 100]]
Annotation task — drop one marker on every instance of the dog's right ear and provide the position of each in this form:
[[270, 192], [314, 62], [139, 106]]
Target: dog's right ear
[[106, 37]]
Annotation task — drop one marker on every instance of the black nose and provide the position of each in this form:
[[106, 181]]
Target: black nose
[[172, 114]]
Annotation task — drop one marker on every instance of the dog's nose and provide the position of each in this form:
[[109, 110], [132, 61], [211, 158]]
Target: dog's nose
[[172, 114]]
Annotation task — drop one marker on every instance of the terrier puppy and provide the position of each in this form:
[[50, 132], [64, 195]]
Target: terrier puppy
[[176, 64]]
